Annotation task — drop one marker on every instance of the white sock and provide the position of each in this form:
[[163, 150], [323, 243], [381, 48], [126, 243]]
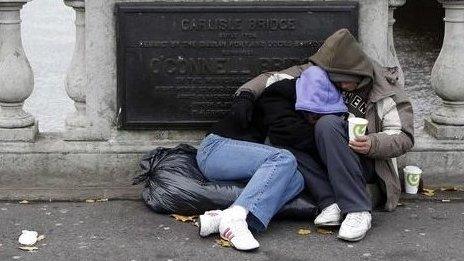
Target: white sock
[[235, 211]]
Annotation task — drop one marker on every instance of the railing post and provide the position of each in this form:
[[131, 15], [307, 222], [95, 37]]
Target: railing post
[[392, 6], [77, 124], [16, 77], [447, 121]]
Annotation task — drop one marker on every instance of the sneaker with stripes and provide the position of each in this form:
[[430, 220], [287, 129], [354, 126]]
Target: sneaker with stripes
[[237, 233]]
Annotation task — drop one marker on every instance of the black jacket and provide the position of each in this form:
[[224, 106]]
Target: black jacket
[[285, 126], [274, 116]]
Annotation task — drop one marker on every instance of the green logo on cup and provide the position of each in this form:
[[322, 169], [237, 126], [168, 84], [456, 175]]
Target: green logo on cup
[[413, 179], [359, 130]]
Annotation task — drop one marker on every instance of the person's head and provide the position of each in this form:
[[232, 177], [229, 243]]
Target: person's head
[[345, 82], [343, 58], [347, 86]]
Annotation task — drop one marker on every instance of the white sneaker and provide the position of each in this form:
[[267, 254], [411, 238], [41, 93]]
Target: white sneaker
[[237, 233], [330, 216], [355, 226], [209, 222]]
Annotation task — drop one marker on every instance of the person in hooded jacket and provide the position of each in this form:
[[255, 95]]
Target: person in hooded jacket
[[290, 109], [341, 168], [233, 152]]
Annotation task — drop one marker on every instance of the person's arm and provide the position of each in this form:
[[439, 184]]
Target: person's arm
[[397, 135], [242, 106], [257, 85], [285, 89]]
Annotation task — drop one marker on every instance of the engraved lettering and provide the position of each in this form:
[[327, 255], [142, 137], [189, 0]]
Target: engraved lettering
[[271, 24], [214, 24]]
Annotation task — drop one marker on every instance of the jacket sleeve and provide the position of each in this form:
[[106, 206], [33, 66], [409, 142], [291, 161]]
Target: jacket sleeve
[[259, 83], [285, 89], [397, 135]]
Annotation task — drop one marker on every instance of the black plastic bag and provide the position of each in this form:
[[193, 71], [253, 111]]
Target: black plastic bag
[[175, 185]]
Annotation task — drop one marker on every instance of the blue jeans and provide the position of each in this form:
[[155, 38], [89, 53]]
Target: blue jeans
[[271, 174]]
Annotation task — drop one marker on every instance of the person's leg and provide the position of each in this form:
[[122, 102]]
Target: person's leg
[[345, 172], [267, 192], [319, 187], [315, 176], [344, 168], [271, 174]]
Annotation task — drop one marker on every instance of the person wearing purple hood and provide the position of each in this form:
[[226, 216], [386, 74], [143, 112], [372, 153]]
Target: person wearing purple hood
[[286, 113], [290, 108]]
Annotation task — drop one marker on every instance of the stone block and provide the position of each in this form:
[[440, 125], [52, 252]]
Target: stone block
[[54, 169], [441, 160], [27, 134], [444, 132]]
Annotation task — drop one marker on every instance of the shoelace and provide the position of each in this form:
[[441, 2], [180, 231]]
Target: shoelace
[[330, 209], [354, 219]]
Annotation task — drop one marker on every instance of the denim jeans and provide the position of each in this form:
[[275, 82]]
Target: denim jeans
[[337, 173], [271, 174]]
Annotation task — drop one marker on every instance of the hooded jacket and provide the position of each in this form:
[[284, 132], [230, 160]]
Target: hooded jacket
[[388, 109]]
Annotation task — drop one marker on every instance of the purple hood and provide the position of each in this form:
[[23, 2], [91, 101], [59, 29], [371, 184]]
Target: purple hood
[[316, 93]]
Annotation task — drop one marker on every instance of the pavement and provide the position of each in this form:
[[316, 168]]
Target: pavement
[[420, 229]]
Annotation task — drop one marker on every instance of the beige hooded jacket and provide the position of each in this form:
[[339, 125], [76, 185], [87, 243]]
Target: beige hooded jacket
[[389, 110]]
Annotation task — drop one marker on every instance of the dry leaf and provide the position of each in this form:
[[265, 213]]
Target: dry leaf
[[89, 200], [450, 189], [102, 200], [24, 202], [304, 231], [184, 218], [428, 192], [28, 248], [223, 243], [41, 237], [324, 231]]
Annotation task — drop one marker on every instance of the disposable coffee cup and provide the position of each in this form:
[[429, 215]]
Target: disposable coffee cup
[[412, 175], [356, 127]]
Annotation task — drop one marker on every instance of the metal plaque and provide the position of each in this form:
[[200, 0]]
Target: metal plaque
[[179, 64]]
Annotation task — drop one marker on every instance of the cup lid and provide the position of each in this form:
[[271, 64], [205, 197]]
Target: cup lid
[[413, 169]]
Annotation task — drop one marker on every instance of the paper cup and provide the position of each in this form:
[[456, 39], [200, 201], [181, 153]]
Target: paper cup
[[356, 127], [412, 175]]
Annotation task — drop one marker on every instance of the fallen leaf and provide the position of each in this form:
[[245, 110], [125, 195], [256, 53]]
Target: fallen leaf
[[324, 231], [28, 248], [89, 200], [450, 189], [102, 200], [24, 202], [41, 237], [304, 231], [184, 218], [223, 243], [428, 192]]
